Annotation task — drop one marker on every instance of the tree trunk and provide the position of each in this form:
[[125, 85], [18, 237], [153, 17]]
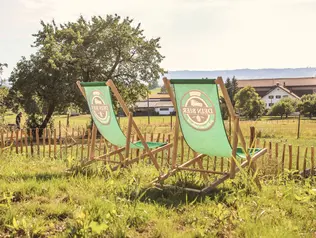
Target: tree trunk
[[310, 115], [48, 116]]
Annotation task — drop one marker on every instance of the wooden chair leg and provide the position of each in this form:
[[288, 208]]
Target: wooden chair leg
[[234, 152]]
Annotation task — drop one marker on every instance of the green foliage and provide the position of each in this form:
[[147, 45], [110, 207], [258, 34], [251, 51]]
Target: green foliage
[[95, 50], [285, 107], [2, 65], [3, 106], [3, 95], [163, 89], [308, 104], [153, 85], [232, 88], [248, 103], [223, 106], [31, 228], [35, 120]]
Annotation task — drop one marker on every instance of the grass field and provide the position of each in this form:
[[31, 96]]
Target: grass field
[[38, 198], [270, 127]]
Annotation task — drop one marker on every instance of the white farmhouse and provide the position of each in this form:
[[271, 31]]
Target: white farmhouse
[[157, 104], [277, 93]]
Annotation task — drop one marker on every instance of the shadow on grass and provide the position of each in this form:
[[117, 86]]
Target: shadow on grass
[[176, 196]]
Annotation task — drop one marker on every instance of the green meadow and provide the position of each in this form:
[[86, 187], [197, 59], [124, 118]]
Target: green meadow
[[44, 197], [41, 198]]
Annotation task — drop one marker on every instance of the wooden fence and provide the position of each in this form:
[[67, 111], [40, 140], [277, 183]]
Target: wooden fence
[[75, 142]]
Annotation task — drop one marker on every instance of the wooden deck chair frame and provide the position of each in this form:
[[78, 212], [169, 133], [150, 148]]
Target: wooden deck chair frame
[[124, 161], [237, 134]]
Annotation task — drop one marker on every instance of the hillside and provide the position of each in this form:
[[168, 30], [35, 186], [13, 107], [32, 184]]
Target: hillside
[[244, 73]]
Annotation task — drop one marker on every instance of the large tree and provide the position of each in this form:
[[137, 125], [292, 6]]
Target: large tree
[[95, 50], [308, 104], [248, 103], [283, 107]]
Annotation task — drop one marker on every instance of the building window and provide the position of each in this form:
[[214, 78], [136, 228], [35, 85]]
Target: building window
[[278, 96], [285, 96], [271, 97], [271, 104]]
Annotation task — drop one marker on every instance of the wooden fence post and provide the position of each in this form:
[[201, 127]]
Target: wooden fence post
[[2, 140], [290, 157], [304, 162], [31, 141], [72, 136], [283, 157], [66, 142], [21, 140], [252, 136], [169, 149], [299, 126], [37, 141], [59, 129], [82, 142], [11, 140], [49, 143], [25, 142], [298, 158], [312, 161], [44, 141], [60, 145], [89, 132], [182, 148], [16, 141], [55, 143], [100, 145], [162, 152]]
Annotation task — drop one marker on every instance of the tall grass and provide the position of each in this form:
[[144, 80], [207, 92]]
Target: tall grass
[[39, 198]]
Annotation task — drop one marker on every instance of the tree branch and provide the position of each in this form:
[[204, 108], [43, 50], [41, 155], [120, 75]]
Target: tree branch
[[117, 61]]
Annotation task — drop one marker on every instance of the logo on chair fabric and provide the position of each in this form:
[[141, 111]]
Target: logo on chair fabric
[[198, 110], [99, 109]]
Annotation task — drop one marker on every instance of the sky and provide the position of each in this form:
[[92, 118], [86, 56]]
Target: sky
[[195, 34]]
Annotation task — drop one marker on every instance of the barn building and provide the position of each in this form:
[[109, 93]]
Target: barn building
[[298, 86]]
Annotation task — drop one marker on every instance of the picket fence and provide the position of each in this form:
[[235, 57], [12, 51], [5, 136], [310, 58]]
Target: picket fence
[[75, 142]]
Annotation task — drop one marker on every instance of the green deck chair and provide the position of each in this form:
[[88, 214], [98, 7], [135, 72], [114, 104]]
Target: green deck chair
[[99, 100], [196, 102]]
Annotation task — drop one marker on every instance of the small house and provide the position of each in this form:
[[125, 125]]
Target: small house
[[276, 94], [156, 105]]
